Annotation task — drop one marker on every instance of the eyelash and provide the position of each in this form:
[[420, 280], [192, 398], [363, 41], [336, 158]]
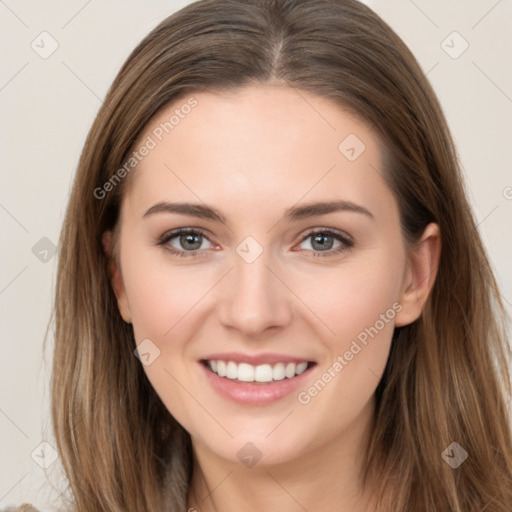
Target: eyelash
[[347, 243]]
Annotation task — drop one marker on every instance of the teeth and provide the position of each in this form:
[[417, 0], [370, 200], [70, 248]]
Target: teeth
[[244, 372], [263, 373], [278, 371], [289, 371], [301, 368], [231, 370], [221, 368]]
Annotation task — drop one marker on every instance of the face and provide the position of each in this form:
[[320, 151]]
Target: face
[[266, 319]]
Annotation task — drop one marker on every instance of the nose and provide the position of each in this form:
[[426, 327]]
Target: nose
[[255, 299]]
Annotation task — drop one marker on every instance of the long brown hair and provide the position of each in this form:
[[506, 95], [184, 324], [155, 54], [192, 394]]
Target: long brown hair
[[447, 377]]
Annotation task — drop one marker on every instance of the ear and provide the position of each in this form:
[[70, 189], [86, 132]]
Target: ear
[[116, 277], [420, 275]]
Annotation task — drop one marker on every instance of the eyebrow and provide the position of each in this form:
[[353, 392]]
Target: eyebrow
[[292, 214]]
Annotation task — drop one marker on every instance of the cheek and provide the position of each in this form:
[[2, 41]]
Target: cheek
[[359, 303], [161, 300], [354, 296], [160, 294]]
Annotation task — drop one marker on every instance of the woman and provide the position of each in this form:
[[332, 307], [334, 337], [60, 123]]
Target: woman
[[333, 339]]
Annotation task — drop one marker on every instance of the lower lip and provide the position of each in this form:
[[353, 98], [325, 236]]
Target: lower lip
[[251, 393]]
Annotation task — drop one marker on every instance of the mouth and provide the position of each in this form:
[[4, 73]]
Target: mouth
[[260, 374], [255, 381]]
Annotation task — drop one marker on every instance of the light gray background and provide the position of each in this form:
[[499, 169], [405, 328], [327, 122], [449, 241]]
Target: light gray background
[[48, 106]]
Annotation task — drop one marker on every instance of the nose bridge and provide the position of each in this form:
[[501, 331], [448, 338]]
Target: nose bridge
[[255, 299]]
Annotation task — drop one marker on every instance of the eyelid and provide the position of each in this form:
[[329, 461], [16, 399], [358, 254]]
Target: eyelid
[[330, 231], [182, 231]]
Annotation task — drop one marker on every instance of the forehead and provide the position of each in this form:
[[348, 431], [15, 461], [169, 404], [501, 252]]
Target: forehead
[[260, 146]]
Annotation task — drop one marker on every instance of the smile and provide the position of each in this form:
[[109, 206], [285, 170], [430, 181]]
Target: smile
[[256, 380], [263, 373]]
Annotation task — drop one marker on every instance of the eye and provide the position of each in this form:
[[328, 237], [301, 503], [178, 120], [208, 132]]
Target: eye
[[190, 242], [184, 241], [325, 240]]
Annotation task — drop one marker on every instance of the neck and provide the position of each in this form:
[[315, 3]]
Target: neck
[[326, 479]]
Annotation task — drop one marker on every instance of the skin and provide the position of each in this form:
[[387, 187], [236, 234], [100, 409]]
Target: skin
[[251, 155]]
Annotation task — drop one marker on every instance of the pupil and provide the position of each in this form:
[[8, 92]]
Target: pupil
[[189, 238], [323, 245]]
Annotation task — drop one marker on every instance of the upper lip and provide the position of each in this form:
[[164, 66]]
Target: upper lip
[[256, 359]]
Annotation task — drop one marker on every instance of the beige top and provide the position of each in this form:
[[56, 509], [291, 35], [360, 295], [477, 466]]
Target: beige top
[[25, 507]]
